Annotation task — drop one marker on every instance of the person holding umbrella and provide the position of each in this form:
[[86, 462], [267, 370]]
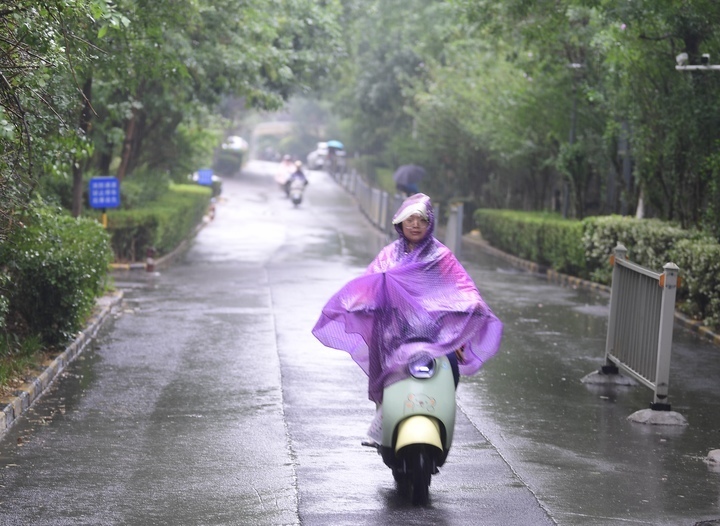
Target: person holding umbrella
[[407, 177], [336, 157]]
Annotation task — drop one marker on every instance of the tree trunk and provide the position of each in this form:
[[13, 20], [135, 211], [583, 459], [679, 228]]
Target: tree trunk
[[127, 145], [79, 165], [139, 133], [105, 159]]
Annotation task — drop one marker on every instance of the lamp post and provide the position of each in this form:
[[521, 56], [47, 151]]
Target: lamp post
[[682, 64]]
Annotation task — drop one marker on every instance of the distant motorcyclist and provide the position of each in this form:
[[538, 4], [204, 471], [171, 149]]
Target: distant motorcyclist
[[297, 175], [282, 176], [296, 184]]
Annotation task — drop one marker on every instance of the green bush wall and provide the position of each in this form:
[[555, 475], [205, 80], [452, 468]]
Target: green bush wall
[[161, 224], [546, 239], [55, 266], [583, 248]]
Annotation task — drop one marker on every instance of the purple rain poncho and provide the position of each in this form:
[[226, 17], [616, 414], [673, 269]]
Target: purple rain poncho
[[409, 296]]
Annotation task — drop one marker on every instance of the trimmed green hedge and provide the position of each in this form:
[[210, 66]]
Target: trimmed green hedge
[[161, 224], [544, 238], [699, 262], [582, 248], [649, 242], [55, 266]]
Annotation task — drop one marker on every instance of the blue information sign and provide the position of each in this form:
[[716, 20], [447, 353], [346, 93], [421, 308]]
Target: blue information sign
[[205, 176], [104, 192]]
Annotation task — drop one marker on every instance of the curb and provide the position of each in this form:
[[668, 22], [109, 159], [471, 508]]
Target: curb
[[15, 405], [565, 280]]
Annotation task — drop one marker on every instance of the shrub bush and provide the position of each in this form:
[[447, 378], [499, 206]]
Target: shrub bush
[[582, 248], [4, 298], [544, 238], [56, 266], [561, 246], [162, 224], [365, 165], [649, 242], [699, 294]]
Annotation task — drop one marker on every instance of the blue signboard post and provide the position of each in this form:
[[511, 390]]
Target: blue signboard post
[[205, 176], [104, 193]]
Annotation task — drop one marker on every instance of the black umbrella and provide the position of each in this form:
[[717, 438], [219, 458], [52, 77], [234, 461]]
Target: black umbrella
[[408, 174]]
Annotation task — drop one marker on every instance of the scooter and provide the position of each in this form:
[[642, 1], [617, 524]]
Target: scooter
[[295, 190], [284, 171], [418, 421]]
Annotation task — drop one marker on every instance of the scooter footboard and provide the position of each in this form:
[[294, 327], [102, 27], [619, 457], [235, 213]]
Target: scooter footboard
[[418, 429]]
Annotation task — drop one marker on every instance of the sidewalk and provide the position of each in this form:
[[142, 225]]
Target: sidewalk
[[573, 443], [23, 396]]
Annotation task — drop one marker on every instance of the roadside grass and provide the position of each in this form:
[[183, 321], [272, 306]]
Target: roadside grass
[[17, 358]]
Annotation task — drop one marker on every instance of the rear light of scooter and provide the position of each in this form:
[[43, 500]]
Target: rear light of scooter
[[423, 366]]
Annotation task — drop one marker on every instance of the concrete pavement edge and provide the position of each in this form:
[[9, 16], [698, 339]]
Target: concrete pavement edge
[[15, 405]]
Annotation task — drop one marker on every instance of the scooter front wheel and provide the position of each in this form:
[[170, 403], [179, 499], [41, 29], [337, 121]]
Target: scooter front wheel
[[420, 472]]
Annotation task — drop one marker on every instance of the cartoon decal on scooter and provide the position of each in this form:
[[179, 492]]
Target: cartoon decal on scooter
[[413, 322]]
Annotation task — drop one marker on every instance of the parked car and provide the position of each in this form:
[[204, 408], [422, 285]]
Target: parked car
[[316, 159]]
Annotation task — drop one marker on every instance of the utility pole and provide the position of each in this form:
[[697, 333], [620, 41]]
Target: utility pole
[[571, 138]]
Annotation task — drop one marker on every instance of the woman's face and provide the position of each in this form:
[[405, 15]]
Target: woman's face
[[414, 228]]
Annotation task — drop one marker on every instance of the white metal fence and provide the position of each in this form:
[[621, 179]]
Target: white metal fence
[[377, 205], [640, 326], [380, 207]]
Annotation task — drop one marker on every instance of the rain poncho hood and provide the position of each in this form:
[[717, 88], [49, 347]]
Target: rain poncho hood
[[409, 296]]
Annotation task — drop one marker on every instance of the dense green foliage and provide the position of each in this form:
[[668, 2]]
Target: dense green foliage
[[513, 103], [93, 87], [161, 224], [144, 91], [56, 266], [583, 249], [701, 283]]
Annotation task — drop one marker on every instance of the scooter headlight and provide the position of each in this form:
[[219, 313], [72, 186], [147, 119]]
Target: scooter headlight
[[423, 366]]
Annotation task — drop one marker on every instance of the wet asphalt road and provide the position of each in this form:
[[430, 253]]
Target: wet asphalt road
[[208, 401]]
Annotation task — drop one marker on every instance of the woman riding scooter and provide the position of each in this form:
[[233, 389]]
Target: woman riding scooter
[[414, 292]]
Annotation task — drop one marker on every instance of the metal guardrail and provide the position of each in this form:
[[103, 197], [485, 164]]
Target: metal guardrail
[[377, 205], [380, 207], [640, 325]]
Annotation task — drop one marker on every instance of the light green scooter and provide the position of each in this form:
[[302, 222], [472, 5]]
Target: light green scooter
[[418, 420]]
